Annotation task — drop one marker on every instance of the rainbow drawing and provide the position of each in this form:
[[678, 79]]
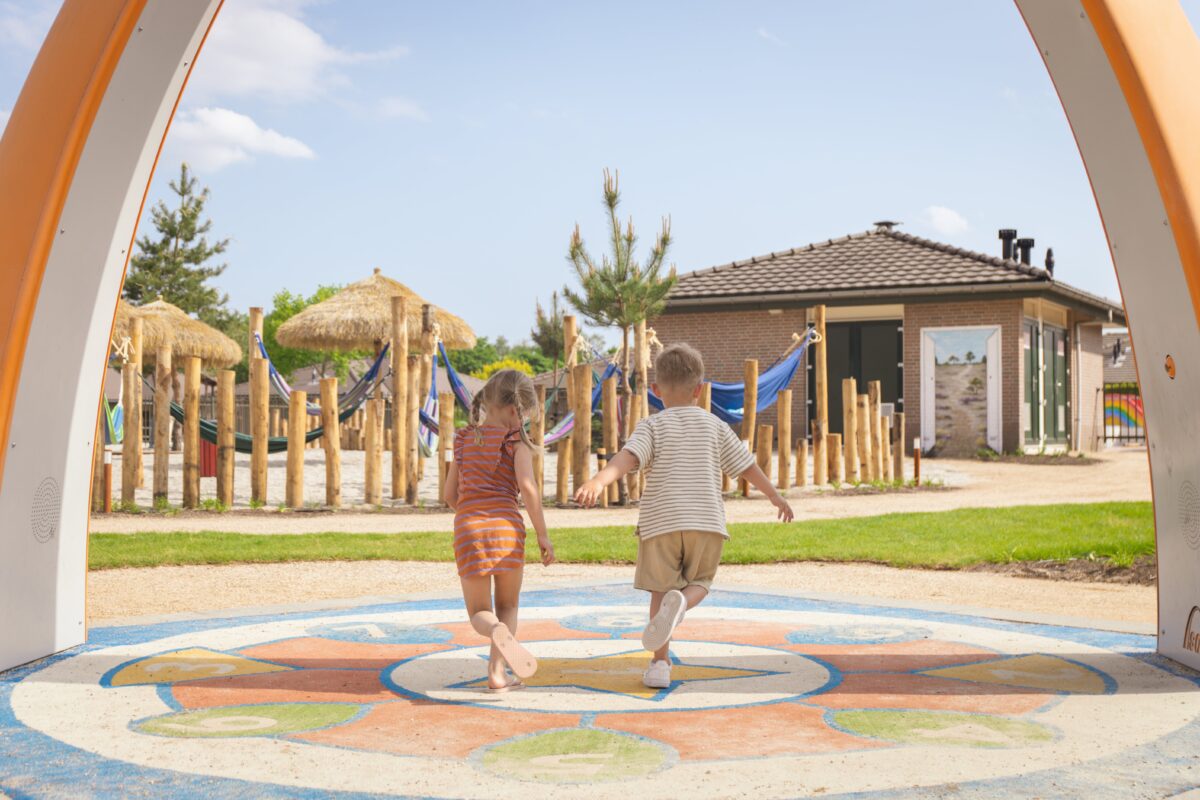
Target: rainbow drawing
[[1124, 410]]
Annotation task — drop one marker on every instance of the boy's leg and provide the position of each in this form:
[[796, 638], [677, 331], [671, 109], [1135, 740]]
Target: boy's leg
[[693, 594]]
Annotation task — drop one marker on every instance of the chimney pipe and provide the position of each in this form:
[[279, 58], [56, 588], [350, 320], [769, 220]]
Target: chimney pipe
[[1025, 246], [1007, 235], [1050, 261]]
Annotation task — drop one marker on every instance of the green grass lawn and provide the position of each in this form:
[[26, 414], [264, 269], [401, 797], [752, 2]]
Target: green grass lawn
[[1119, 532]]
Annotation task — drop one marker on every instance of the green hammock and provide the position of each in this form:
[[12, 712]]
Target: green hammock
[[244, 442]]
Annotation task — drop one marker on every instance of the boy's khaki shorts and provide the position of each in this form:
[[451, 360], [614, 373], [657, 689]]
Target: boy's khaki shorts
[[675, 560]]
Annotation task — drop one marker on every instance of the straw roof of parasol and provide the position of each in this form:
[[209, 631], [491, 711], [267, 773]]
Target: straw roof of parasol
[[165, 325], [360, 315]]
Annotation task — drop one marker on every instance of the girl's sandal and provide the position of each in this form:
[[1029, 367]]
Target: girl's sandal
[[519, 660]]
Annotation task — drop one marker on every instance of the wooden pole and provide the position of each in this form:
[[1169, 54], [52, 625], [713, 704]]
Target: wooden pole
[[765, 434], [874, 393], [373, 461], [833, 443], [191, 432], [98, 451], [853, 472], [256, 327], [898, 447], [108, 489], [297, 402], [332, 441], [163, 375], [131, 427], [399, 356], [276, 426], [863, 425], [821, 385], [136, 355], [885, 432], [445, 440], [601, 461], [916, 462], [610, 425], [562, 490], [428, 346], [581, 446], [639, 405], [226, 437], [706, 396], [414, 406], [783, 477], [259, 430], [749, 409], [802, 462], [537, 435]]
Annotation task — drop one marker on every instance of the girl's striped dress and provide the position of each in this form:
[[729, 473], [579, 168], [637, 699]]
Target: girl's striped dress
[[489, 531]]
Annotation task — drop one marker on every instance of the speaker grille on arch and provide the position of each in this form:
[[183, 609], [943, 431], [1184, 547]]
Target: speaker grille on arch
[[1189, 513], [47, 510]]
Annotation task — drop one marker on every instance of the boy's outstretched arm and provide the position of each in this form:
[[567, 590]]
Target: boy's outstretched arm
[[617, 468], [760, 481]]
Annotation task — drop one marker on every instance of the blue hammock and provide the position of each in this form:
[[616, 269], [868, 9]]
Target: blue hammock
[[729, 399], [353, 396]]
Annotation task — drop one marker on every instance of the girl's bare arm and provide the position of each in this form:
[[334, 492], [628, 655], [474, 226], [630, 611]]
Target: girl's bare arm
[[527, 483]]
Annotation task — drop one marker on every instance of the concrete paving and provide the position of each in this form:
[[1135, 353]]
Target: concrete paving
[[775, 694]]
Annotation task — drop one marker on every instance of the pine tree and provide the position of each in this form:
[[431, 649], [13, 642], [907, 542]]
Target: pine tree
[[174, 264], [547, 331], [619, 292]]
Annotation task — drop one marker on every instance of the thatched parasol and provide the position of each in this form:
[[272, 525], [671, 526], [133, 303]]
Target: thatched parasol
[[360, 316], [166, 325]]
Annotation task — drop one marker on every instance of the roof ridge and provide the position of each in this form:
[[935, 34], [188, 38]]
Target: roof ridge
[[942, 247], [791, 251]]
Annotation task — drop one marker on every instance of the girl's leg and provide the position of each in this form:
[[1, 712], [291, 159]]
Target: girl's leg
[[508, 596], [477, 593]]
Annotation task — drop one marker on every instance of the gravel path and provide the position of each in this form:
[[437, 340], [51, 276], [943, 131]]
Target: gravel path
[[170, 590], [1116, 475]]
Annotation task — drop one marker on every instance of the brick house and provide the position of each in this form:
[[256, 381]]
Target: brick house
[[976, 350]]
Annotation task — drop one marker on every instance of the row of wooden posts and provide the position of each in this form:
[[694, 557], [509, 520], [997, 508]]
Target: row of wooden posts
[[871, 449], [412, 375]]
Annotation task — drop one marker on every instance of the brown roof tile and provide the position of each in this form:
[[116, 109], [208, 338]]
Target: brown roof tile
[[880, 259]]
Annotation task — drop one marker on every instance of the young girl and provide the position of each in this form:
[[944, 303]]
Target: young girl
[[493, 461]]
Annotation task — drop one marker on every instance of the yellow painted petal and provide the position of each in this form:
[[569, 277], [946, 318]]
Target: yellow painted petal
[[188, 665], [1047, 673]]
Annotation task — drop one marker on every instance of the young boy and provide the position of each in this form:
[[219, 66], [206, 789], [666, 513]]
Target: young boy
[[683, 450]]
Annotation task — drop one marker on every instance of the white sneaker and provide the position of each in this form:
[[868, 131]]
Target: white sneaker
[[658, 674], [660, 629]]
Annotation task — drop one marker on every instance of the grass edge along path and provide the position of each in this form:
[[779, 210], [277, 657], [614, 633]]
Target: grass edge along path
[[1116, 532]]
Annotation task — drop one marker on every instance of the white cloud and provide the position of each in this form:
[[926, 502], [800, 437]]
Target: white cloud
[[264, 48], [25, 24], [212, 138], [767, 36], [945, 221], [402, 108]]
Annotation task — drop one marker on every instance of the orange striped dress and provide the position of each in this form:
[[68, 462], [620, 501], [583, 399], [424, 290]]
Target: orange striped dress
[[489, 531]]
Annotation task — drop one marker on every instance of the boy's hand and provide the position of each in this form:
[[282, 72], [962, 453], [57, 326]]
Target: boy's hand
[[783, 507], [589, 493], [547, 548]]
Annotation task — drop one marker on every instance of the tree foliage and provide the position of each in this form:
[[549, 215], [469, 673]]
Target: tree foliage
[[485, 352], [173, 262], [287, 359], [505, 363], [618, 291], [547, 333]]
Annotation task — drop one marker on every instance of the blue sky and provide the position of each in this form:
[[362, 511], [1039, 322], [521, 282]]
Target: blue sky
[[456, 145]]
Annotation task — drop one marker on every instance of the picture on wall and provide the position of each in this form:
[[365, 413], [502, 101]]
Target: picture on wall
[[959, 390]]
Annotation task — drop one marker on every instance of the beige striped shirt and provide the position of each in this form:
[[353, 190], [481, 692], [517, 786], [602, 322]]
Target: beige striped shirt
[[683, 450]]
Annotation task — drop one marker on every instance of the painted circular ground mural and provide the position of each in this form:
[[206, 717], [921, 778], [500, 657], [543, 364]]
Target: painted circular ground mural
[[772, 697]]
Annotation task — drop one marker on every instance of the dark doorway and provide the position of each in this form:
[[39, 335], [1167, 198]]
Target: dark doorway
[[865, 351]]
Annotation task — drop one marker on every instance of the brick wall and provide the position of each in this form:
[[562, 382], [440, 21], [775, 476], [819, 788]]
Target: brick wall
[[727, 338], [1088, 374], [1005, 313]]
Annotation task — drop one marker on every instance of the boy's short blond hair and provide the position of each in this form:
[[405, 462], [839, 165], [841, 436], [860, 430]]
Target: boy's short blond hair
[[679, 366]]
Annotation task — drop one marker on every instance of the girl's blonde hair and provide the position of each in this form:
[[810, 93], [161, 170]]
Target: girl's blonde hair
[[508, 387]]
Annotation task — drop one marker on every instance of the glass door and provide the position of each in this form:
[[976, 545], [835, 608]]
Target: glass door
[[1032, 405], [1054, 349]]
